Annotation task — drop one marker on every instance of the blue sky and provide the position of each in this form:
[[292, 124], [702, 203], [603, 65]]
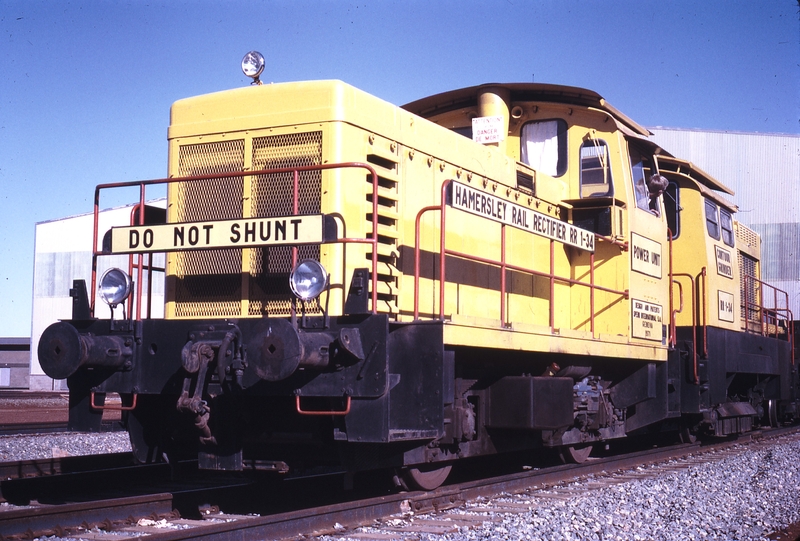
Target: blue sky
[[86, 86]]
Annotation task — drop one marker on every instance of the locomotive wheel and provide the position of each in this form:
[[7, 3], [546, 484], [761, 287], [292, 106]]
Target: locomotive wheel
[[772, 413], [575, 454], [426, 477]]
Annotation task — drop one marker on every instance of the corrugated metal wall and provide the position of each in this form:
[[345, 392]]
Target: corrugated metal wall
[[764, 171]]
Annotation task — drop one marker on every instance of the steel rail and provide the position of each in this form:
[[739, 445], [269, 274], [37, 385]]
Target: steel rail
[[61, 520], [124, 512]]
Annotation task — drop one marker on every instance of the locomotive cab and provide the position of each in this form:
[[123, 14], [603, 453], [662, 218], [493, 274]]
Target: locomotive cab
[[726, 317]]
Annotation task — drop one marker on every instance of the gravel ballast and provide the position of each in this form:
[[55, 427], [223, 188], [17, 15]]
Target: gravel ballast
[[746, 496], [61, 444]]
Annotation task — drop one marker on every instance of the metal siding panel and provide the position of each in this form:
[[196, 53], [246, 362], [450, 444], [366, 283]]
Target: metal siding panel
[[745, 162], [779, 244], [764, 171]]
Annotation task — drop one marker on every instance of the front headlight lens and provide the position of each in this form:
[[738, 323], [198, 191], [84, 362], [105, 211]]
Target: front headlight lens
[[308, 279], [115, 286]]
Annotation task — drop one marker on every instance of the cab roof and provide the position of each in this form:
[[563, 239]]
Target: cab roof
[[691, 170], [569, 95]]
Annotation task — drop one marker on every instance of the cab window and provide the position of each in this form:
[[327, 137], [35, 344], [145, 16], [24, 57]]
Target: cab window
[[543, 146], [640, 171], [726, 225], [712, 220], [595, 169]]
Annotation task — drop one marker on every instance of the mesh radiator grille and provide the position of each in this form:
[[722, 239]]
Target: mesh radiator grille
[[208, 283], [272, 196], [212, 283]]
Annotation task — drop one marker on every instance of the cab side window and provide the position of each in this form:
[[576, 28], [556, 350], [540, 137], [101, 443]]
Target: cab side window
[[595, 169], [543, 146], [726, 225], [640, 172], [712, 220]]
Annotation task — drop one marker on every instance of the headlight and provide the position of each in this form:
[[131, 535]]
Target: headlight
[[253, 65], [115, 286], [308, 279]]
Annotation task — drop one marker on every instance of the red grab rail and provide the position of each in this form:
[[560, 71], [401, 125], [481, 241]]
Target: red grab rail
[[502, 264], [138, 216]]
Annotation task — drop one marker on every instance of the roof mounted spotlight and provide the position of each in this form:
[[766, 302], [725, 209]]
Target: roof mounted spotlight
[[253, 65]]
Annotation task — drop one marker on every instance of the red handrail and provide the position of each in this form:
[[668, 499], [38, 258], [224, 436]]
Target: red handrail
[[343, 412], [673, 312], [775, 314], [502, 264], [704, 275], [142, 184], [121, 407]]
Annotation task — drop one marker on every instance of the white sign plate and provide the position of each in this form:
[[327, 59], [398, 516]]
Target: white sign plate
[[725, 306], [724, 263], [242, 233], [645, 256], [647, 320], [487, 129], [480, 203]]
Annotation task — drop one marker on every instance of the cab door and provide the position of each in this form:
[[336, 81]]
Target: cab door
[[648, 249]]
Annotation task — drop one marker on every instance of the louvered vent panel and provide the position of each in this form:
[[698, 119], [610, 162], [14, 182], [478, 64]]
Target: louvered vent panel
[[273, 196], [208, 283], [746, 236], [387, 231], [748, 289]]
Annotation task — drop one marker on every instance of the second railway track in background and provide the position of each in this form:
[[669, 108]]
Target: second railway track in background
[[32, 412], [382, 517]]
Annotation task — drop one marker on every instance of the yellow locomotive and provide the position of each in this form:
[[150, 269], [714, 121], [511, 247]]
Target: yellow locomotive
[[353, 285]]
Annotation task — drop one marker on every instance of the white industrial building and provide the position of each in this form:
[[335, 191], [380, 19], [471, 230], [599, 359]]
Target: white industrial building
[[764, 171]]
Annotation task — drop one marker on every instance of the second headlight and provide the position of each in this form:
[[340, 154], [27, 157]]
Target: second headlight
[[308, 279]]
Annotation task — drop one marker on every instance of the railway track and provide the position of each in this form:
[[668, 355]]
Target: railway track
[[37, 412], [469, 504], [46, 467]]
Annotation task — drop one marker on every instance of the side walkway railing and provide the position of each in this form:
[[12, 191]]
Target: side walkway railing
[[503, 265], [766, 310]]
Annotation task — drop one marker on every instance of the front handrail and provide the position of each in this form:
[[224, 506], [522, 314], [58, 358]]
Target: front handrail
[[137, 261], [143, 184]]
